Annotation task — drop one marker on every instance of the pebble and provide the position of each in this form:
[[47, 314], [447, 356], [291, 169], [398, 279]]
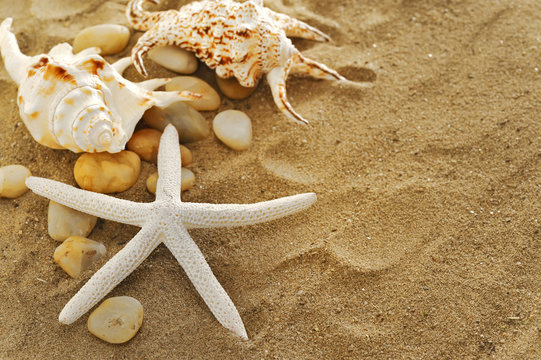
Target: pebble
[[146, 143], [187, 177], [186, 155], [107, 173], [64, 222], [77, 253], [190, 124], [174, 58], [12, 178], [232, 89], [234, 129], [209, 102], [110, 38], [116, 320]]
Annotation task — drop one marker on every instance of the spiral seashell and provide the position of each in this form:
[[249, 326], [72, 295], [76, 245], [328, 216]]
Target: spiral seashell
[[79, 102]]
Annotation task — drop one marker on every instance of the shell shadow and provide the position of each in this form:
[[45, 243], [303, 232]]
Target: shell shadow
[[358, 73]]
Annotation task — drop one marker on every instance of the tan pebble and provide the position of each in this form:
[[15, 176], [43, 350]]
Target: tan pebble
[[209, 102], [187, 181], [77, 253], [12, 181], [234, 129], [146, 143], [110, 38], [232, 89], [107, 173], [190, 124], [174, 58], [151, 183], [64, 222], [116, 320], [185, 155]]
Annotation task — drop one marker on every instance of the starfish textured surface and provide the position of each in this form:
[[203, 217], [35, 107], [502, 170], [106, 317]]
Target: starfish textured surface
[[164, 220]]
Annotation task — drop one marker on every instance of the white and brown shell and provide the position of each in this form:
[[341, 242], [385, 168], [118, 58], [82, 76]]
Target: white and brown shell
[[241, 40], [79, 102]]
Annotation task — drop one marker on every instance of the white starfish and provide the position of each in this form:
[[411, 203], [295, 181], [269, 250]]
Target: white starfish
[[164, 220]]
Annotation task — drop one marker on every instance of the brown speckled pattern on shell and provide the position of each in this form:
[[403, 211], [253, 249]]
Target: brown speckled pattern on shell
[[241, 40], [235, 39], [79, 101]]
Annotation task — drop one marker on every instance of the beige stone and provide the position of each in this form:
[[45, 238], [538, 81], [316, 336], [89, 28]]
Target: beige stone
[[209, 102], [187, 182], [152, 180], [232, 89], [77, 254], [146, 143], [12, 178], [116, 320], [174, 58], [107, 173], [190, 124], [110, 38], [64, 222], [188, 179], [186, 156], [234, 129]]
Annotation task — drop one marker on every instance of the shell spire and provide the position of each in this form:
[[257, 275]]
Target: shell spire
[[79, 102]]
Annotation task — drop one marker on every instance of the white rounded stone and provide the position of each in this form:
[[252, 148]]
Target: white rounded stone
[[12, 178], [110, 38], [234, 129], [116, 320], [174, 58], [64, 222], [209, 102], [77, 254]]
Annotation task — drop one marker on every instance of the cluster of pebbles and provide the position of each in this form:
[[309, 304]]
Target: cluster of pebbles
[[118, 319]]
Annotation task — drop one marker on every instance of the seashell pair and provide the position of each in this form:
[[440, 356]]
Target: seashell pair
[[79, 102]]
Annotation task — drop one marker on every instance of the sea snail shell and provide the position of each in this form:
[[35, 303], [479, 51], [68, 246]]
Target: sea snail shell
[[79, 102]]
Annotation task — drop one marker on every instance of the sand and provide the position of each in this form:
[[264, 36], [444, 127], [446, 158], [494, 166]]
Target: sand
[[425, 239]]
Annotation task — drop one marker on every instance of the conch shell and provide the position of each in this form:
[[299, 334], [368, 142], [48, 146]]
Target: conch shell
[[79, 102], [242, 40]]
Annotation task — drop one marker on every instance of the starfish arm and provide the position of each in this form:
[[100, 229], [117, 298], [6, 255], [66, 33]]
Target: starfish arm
[[169, 166], [179, 242], [111, 274], [103, 206], [225, 215]]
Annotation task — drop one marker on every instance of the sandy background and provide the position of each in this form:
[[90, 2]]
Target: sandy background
[[425, 240]]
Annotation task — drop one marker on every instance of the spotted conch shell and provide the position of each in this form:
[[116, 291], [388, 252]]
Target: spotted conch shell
[[79, 102], [241, 40]]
